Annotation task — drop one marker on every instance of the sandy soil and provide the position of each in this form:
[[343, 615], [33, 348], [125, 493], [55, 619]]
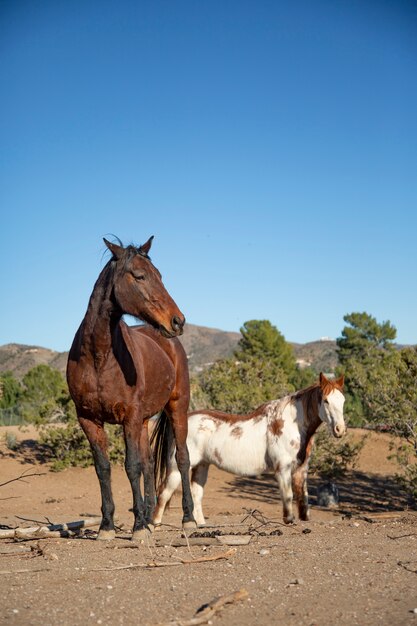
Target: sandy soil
[[355, 565]]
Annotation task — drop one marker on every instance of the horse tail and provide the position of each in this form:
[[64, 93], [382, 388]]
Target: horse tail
[[162, 442]]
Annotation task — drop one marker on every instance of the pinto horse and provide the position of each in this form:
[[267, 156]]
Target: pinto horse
[[125, 375], [277, 436]]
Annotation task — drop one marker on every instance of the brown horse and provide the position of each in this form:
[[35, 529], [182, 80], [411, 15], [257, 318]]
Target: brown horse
[[125, 375]]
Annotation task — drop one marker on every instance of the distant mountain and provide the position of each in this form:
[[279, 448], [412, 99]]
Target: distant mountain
[[19, 358], [202, 345], [321, 354], [206, 345]]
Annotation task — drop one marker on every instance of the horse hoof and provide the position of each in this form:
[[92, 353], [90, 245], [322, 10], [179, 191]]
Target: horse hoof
[[156, 526], [191, 525], [106, 535], [139, 536]]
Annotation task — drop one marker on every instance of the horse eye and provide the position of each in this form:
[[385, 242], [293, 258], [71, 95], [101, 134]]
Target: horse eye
[[326, 402], [139, 276]]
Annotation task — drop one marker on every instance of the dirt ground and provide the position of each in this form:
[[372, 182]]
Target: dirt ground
[[354, 565]]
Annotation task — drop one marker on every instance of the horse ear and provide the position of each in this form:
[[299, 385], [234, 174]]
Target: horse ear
[[114, 248], [323, 379], [340, 381], [145, 247]]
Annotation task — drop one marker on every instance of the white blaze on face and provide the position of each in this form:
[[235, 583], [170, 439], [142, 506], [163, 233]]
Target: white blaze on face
[[331, 412]]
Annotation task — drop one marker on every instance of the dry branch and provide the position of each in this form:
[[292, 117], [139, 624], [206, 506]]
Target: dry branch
[[154, 564], [24, 571], [52, 530], [207, 611], [409, 566], [22, 477]]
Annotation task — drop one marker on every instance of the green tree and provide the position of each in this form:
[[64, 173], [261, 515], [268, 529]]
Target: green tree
[[388, 391], [10, 390], [363, 335], [262, 340], [240, 386], [363, 346], [304, 377], [10, 395]]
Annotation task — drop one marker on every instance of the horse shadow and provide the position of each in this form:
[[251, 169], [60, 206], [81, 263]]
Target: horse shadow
[[357, 491]]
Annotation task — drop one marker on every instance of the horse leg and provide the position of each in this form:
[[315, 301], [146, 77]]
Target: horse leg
[[97, 438], [299, 485], [283, 476], [179, 420], [199, 475], [133, 465], [148, 475], [168, 487]]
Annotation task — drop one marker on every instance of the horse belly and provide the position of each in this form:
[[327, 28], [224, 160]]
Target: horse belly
[[242, 453]]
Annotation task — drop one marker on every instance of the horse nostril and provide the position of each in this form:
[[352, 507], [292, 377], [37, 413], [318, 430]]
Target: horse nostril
[[177, 323]]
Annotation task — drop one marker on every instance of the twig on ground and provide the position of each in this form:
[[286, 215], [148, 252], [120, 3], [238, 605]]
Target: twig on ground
[[11, 498], [405, 565], [260, 518], [207, 611], [3, 572], [35, 521], [187, 542], [402, 536], [22, 477], [153, 564]]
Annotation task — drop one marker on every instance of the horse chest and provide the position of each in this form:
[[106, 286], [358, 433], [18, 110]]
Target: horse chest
[[90, 392], [284, 447], [103, 394]]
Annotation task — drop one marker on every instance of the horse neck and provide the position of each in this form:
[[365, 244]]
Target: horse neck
[[102, 316], [310, 403]]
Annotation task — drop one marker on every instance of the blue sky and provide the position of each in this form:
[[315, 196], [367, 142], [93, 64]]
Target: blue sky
[[270, 147]]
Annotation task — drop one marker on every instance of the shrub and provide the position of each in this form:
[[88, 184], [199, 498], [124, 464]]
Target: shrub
[[66, 445], [11, 441], [331, 457]]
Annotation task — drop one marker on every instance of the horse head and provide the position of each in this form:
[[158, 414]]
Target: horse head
[[139, 291], [331, 406]]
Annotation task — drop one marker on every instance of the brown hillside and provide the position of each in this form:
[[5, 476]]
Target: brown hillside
[[202, 345]]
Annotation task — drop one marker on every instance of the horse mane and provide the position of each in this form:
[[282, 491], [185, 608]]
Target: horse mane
[[232, 418], [312, 396]]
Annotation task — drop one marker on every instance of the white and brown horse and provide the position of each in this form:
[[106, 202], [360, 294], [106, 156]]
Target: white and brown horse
[[277, 436]]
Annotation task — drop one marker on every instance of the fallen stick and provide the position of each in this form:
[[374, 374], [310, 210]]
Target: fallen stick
[[24, 571], [207, 611], [153, 564], [22, 477], [51, 530], [406, 565], [174, 543]]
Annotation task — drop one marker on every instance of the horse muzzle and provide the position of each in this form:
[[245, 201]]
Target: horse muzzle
[[338, 430], [177, 327]]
